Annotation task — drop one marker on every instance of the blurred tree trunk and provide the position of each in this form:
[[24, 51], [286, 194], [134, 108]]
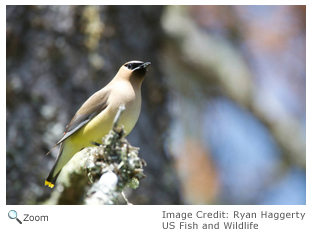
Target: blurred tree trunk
[[57, 56]]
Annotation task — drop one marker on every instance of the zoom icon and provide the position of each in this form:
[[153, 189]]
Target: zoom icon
[[13, 215]]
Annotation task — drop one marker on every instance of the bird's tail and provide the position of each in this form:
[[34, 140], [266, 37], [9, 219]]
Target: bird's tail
[[51, 179]]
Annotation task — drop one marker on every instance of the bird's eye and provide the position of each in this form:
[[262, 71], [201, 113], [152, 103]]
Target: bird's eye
[[129, 66]]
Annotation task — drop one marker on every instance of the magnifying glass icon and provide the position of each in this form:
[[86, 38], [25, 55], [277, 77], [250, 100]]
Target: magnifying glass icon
[[13, 215]]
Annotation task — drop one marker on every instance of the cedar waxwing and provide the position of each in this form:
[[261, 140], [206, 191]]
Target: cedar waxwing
[[95, 117]]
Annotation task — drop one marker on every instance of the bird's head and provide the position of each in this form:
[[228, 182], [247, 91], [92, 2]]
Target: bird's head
[[134, 70]]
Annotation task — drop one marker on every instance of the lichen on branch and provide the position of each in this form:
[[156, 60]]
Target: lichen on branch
[[112, 166]]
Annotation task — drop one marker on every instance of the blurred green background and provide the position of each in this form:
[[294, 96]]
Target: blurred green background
[[223, 119]]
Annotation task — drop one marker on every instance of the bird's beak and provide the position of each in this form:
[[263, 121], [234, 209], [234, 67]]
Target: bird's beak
[[146, 64], [143, 66]]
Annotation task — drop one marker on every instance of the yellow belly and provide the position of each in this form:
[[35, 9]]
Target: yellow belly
[[99, 126]]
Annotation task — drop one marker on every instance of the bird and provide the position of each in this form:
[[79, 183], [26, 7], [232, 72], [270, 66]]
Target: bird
[[95, 117]]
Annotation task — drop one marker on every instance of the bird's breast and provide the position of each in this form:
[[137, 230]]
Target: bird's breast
[[130, 116], [132, 101]]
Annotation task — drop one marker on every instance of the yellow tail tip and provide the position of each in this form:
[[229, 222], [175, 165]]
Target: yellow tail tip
[[47, 183]]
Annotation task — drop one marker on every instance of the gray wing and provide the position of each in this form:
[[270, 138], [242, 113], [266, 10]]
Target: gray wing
[[92, 107]]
